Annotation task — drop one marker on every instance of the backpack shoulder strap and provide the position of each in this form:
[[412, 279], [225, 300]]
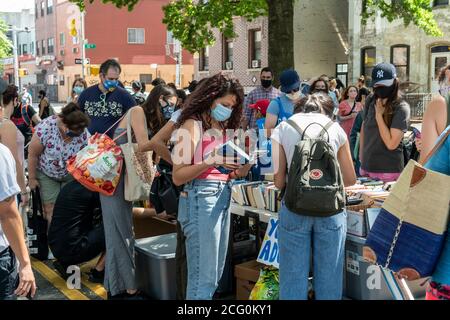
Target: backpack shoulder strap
[[325, 130], [24, 113], [297, 128]]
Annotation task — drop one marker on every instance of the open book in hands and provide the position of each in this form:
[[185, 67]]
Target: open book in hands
[[230, 150]]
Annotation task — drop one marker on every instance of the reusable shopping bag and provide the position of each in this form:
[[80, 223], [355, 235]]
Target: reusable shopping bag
[[98, 166], [409, 233], [268, 285], [140, 172]]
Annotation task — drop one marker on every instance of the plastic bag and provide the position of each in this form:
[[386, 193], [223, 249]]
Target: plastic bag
[[268, 285], [98, 165]]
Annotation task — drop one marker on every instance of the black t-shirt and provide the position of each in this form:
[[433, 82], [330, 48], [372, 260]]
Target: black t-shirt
[[362, 92], [377, 158], [73, 217], [23, 123], [104, 114]]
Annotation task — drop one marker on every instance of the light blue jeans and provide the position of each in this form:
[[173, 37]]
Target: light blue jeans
[[297, 235], [205, 219]]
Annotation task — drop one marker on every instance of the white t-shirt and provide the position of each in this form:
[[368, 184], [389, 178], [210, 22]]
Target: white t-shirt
[[288, 137], [8, 184]]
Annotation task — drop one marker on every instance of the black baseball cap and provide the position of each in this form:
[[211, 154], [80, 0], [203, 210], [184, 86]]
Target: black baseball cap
[[384, 74]]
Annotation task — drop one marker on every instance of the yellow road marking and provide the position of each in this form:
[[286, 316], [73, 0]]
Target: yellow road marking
[[94, 287], [57, 281]]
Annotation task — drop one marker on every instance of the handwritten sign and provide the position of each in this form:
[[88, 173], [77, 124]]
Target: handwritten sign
[[270, 251]]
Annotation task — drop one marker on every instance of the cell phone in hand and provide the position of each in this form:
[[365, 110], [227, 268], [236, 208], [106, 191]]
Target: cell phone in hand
[[417, 133]]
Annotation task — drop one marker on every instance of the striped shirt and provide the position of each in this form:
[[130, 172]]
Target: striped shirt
[[258, 94]]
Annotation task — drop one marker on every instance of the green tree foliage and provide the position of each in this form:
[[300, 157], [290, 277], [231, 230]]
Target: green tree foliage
[[418, 12], [5, 44], [191, 20]]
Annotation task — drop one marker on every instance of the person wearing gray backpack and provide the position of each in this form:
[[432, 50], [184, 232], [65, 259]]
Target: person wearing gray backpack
[[313, 163]]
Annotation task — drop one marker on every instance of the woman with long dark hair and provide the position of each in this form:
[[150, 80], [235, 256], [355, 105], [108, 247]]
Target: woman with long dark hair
[[348, 109], [146, 121], [209, 118], [385, 121], [444, 81]]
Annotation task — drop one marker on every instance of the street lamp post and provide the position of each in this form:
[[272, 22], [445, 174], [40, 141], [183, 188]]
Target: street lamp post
[[16, 57], [15, 33], [155, 66]]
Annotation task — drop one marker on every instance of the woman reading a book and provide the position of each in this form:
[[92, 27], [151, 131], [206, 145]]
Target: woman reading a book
[[209, 118]]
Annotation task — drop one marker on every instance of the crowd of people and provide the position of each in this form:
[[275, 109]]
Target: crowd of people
[[186, 129]]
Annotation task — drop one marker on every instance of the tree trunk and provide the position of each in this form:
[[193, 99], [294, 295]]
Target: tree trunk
[[281, 36]]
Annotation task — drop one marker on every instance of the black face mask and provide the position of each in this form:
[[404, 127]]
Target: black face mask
[[266, 83], [384, 92]]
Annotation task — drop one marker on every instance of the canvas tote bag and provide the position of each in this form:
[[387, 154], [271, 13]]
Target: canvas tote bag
[[140, 172], [409, 233]]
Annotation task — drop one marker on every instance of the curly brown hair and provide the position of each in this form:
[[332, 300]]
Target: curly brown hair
[[198, 105]]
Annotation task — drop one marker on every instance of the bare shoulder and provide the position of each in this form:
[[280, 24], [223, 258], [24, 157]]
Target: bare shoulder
[[437, 104], [7, 125]]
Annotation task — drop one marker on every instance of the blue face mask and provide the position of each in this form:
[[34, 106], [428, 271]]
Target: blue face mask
[[167, 109], [78, 90], [221, 113], [110, 85]]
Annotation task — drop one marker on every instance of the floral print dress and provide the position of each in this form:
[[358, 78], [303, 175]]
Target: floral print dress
[[52, 161]]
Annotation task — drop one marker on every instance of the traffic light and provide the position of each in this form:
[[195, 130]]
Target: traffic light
[[73, 28], [23, 72], [94, 70]]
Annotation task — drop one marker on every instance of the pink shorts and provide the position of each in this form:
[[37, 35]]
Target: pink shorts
[[385, 177]]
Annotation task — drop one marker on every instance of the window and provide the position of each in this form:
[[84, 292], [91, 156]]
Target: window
[[51, 45], [37, 48], [146, 78], [19, 50], [437, 3], [24, 49], [400, 59], [204, 59], [368, 62], [227, 54], [75, 40], [49, 6], [136, 36], [255, 37], [342, 72], [43, 47], [62, 39], [32, 48], [169, 38], [42, 8]]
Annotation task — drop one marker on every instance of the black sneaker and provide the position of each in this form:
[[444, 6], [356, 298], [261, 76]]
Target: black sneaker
[[96, 276], [61, 268]]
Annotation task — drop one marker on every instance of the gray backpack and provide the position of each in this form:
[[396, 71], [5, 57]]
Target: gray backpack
[[315, 187]]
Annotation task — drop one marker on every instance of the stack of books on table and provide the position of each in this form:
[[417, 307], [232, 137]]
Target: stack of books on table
[[260, 195]]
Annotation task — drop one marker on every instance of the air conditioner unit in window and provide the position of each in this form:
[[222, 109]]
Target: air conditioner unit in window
[[75, 50], [255, 64], [229, 65]]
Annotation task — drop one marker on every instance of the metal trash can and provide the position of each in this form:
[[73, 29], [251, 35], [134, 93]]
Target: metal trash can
[[155, 266]]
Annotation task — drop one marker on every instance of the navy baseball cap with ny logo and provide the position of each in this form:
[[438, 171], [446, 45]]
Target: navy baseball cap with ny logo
[[383, 74]]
